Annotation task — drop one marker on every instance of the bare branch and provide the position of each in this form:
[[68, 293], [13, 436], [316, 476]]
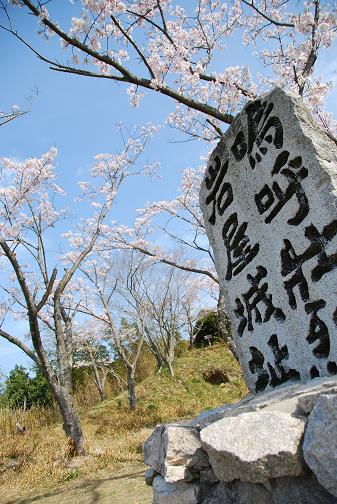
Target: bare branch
[[174, 264], [48, 291], [20, 345], [19, 275]]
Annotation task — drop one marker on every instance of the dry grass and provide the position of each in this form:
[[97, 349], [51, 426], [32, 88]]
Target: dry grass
[[113, 434], [38, 460], [32, 419]]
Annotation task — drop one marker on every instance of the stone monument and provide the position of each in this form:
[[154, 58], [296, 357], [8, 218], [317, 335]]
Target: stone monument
[[270, 209], [269, 200]]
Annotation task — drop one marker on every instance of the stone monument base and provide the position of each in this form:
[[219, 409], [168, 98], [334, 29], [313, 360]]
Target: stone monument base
[[273, 448]]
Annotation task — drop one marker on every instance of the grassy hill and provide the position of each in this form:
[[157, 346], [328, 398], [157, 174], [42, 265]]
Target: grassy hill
[[114, 435]]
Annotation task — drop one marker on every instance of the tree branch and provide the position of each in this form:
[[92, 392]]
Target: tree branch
[[174, 264], [127, 75], [19, 275], [75, 42], [20, 345], [48, 291], [262, 14], [134, 45]]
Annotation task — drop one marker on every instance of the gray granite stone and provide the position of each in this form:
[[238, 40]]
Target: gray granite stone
[[255, 447], [270, 211], [171, 449], [320, 442], [237, 493], [175, 493], [300, 490], [150, 475]]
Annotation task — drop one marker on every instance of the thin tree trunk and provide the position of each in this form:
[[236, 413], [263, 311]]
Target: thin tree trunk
[[170, 353], [101, 392], [61, 387], [160, 362], [99, 383], [157, 354], [191, 335], [132, 388], [170, 368]]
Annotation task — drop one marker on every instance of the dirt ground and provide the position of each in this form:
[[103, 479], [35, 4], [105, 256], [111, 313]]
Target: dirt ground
[[125, 486]]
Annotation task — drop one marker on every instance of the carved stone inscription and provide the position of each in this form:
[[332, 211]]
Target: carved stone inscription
[[269, 200]]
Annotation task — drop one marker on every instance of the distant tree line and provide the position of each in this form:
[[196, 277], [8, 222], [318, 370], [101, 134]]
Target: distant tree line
[[23, 389]]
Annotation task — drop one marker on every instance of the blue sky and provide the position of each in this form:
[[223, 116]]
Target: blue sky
[[78, 115]]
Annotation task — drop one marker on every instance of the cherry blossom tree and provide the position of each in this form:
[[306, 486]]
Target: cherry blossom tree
[[91, 352], [174, 50], [178, 51], [190, 307], [180, 221], [110, 296], [140, 300], [28, 216], [169, 300]]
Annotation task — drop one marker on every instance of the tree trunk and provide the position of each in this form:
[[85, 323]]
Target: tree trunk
[[170, 348], [132, 388], [160, 362], [170, 368], [157, 354], [71, 422], [223, 325], [101, 392], [99, 383], [191, 335], [61, 387]]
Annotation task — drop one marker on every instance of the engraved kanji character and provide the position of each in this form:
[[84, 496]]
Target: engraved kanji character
[[319, 242], [277, 373], [239, 251], [288, 260], [332, 367], [256, 367], [275, 198], [318, 331], [263, 129], [256, 295], [314, 373], [221, 194]]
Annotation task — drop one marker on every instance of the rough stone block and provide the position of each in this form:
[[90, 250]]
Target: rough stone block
[[237, 493], [172, 449], [320, 442], [175, 493], [150, 475], [256, 446], [153, 449], [300, 490]]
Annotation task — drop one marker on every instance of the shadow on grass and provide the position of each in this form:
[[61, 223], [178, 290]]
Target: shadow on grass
[[85, 490]]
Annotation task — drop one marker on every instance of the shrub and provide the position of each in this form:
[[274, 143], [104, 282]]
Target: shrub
[[181, 348], [21, 389], [206, 330]]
